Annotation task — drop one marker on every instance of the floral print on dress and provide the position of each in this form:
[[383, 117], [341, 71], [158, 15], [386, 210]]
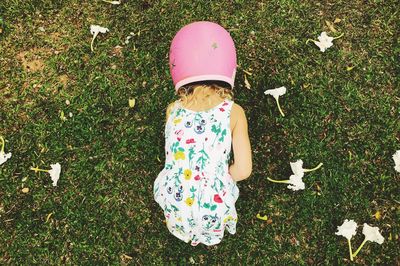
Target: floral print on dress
[[195, 189]]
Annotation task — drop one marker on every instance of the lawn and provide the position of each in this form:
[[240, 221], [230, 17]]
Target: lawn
[[61, 102]]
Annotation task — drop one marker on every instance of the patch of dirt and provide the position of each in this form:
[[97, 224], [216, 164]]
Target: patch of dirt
[[63, 79], [117, 51], [34, 65], [32, 60]]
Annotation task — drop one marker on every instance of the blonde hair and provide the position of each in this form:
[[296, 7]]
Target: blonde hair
[[190, 93]]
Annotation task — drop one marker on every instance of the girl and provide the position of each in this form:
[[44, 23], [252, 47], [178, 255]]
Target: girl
[[196, 188]]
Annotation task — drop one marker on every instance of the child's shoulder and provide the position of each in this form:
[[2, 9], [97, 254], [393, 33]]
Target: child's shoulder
[[172, 105], [237, 114], [237, 110]]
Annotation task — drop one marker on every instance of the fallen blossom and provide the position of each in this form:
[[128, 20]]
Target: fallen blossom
[[297, 168], [396, 158], [276, 93], [3, 156], [95, 30], [296, 183], [54, 172], [347, 229], [324, 41], [372, 234]]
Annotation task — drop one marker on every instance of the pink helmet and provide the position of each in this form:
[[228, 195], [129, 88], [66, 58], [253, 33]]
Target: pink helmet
[[202, 51]]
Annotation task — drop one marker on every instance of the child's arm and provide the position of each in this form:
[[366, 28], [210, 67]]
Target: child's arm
[[242, 166]]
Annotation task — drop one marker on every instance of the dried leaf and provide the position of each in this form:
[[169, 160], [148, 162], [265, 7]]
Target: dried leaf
[[330, 26], [126, 257], [264, 218], [337, 20], [112, 2], [378, 215], [247, 72], [246, 83], [48, 216], [132, 103], [25, 190]]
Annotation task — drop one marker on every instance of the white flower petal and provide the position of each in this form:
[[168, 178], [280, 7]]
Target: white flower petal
[[396, 158], [372, 234], [297, 168], [324, 41], [95, 29], [276, 92], [325, 38], [4, 157], [347, 229], [55, 173], [296, 183]]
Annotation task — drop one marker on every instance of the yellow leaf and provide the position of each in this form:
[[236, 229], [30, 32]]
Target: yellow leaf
[[132, 103], [48, 216], [378, 215], [246, 83], [330, 26], [337, 20], [247, 72], [127, 257], [25, 190], [349, 68], [264, 218]]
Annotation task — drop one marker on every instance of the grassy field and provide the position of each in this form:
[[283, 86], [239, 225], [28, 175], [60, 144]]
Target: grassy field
[[342, 109]]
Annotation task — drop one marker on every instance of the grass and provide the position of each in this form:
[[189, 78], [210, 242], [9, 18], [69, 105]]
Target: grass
[[103, 212]]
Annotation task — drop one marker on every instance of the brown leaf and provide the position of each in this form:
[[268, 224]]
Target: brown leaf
[[246, 83], [330, 26], [337, 20]]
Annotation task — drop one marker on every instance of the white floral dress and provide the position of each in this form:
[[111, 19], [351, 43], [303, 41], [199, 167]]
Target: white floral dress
[[195, 189]]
